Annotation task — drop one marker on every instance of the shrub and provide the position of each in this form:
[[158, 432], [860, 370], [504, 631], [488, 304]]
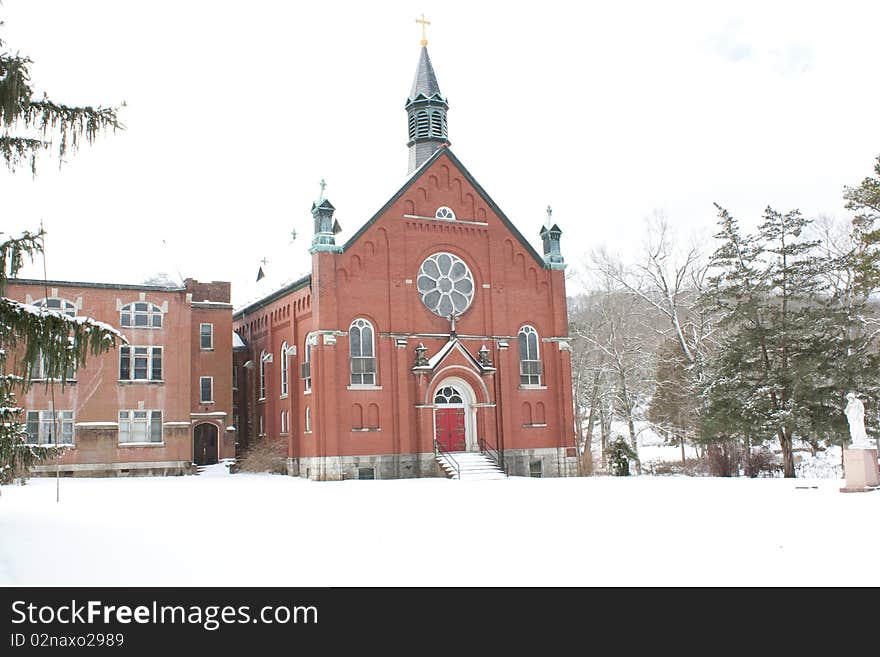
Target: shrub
[[619, 454], [265, 455]]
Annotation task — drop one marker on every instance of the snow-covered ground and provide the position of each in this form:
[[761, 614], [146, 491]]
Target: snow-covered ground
[[261, 529]]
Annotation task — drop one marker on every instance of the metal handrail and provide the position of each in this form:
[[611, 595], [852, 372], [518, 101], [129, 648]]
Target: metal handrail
[[493, 454], [438, 450]]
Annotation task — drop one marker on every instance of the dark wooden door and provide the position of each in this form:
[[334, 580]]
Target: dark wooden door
[[450, 429], [205, 445]]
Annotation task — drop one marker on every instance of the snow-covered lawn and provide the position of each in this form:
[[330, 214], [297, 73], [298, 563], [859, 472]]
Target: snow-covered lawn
[[261, 529]]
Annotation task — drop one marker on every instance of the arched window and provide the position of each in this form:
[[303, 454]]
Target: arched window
[[448, 395], [444, 212], [284, 369], [307, 364], [141, 314], [362, 352], [60, 305], [529, 358], [263, 355]]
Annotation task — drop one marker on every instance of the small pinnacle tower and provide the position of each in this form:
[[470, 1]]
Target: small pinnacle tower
[[426, 110], [325, 227], [550, 235]]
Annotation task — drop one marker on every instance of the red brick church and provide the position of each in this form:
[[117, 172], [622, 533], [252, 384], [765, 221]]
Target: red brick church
[[434, 335]]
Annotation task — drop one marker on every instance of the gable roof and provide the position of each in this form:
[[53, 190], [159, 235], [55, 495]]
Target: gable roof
[[418, 173], [446, 349]]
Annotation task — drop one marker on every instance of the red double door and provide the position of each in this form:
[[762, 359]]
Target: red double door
[[450, 429]]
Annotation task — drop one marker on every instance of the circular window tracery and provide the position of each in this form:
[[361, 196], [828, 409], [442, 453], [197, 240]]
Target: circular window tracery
[[444, 212], [446, 284], [448, 395]]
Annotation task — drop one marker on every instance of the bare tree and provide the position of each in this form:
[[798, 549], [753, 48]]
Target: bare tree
[[609, 330]]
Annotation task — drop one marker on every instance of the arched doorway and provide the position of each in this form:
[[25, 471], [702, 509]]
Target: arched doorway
[[455, 416], [205, 444]]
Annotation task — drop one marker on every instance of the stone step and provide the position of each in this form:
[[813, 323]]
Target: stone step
[[470, 465]]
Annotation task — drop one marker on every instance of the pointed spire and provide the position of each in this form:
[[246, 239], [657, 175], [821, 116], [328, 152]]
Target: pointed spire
[[425, 82], [426, 112]]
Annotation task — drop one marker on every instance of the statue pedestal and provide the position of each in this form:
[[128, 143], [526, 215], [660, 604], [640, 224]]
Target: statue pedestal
[[860, 469]]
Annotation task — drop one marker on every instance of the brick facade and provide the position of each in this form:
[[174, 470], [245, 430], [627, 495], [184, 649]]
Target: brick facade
[[337, 426], [97, 395]]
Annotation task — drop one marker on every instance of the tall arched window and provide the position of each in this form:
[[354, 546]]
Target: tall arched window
[[362, 352], [263, 375], [529, 358], [307, 364], [284, 369]]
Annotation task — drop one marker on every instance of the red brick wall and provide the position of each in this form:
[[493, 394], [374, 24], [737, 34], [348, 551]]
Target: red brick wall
[[370, 280], [98, 395]]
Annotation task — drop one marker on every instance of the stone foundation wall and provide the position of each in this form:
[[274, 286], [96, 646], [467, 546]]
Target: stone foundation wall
[[540, 462], [544, 462], [157, 468], [385, 466]]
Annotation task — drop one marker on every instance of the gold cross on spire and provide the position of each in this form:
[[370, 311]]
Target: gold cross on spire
[[424, 23]]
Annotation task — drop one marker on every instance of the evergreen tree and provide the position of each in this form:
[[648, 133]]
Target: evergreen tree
[[771, 373], [674, 403], [28, 123], [864, 200], [28, 333]]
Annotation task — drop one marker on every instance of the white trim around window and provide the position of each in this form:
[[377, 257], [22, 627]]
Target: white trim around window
[[206, 337], [284, 370], [39, 427], [140, 363], [206, 389], [140, 427]]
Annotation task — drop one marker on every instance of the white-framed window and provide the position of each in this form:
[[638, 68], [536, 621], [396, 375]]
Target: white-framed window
[[283, 369], [43, 429], [140, 363], [529, 357], [235, 377], [307, 365], [262, 394], [141, 314], [140, 426], [362, 353], [206, 389], [39, 371], [308, 419], [262, 427], [283, 422], [206, 337], [444, 212], [59, 304]]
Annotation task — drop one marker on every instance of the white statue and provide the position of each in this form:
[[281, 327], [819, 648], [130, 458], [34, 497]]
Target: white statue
[[855, 415]]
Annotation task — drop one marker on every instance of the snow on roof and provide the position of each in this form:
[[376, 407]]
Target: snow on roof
[[237, 342], [440, 355]]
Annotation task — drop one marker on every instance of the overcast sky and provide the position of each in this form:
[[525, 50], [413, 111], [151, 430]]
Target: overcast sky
[[606, 111]]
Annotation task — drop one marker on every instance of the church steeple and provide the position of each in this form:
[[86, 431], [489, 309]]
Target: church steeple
[[426, 111]]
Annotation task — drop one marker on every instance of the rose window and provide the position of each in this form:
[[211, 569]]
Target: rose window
[[446, 284]]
